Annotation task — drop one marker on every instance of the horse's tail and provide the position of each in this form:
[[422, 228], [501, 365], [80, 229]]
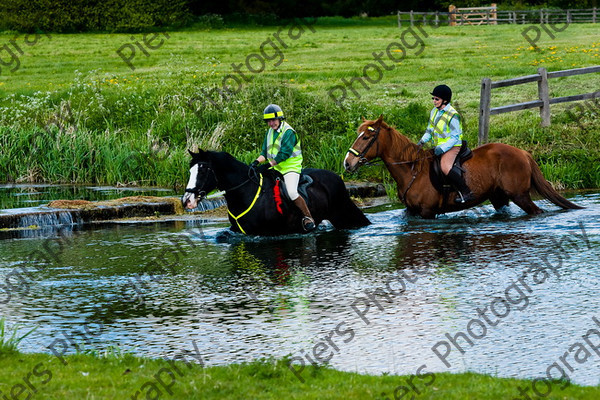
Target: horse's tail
[[543, 187]]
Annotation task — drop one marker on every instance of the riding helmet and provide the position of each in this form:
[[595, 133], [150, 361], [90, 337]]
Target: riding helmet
[[443, 92], [272, 111]]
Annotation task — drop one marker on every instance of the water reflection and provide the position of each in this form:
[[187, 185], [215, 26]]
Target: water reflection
[[156, 287]]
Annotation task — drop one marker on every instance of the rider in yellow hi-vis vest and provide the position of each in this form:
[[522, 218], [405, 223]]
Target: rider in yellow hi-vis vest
[[445, 129], [281, 148]]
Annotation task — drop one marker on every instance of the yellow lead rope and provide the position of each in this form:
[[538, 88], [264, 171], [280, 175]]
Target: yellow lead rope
[[249, 208]]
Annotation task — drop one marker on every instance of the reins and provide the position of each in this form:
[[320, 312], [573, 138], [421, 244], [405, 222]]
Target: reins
[[364, 162], [251, 178]]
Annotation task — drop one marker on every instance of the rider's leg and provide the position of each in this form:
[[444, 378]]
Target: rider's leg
[[448, 159], [447, 162], [291, 184]]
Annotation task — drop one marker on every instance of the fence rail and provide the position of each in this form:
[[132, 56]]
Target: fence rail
[[543, 102], [469, 16]]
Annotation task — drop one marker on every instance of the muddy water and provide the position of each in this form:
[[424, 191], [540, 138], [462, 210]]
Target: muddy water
[[513, 292]]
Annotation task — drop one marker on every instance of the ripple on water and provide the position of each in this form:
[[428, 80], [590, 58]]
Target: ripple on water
[[156, 289]]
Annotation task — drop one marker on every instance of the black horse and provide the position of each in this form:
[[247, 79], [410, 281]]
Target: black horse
[[254, 200]]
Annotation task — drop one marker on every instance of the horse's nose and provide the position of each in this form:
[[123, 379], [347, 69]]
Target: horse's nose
[[348, 166]]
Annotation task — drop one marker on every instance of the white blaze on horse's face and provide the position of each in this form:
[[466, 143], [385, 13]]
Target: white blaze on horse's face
[[351, 166], [189, 199]]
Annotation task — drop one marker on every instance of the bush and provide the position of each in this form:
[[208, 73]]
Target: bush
[[94, 15]]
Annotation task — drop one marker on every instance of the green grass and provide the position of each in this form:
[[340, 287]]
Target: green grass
[[75, 112], [114, 375]]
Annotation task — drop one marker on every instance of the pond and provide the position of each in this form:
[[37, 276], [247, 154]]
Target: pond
[[500, 293]]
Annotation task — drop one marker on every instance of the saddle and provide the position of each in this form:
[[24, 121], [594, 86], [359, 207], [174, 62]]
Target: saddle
[[439, 181], [280, 192]]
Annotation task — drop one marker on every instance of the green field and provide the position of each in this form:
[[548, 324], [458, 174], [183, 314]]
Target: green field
[[129, 377], [74, 111]]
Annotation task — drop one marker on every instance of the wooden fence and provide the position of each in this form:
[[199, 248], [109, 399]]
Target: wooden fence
[[471, 16], [543, 102]]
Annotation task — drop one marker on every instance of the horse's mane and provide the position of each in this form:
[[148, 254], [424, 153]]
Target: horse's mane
[[403, 149], [221, 157]]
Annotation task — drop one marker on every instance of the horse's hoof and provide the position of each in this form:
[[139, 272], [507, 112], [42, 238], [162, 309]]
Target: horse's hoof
[[308, 224]]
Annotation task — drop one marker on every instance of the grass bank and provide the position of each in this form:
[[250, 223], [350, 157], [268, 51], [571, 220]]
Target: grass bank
[[111, 376], [74, 111]]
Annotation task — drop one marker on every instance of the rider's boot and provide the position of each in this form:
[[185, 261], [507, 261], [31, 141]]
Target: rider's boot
[[308, 223], [464, 193]]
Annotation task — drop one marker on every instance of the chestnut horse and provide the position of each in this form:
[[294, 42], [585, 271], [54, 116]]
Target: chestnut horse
[[496, 171]]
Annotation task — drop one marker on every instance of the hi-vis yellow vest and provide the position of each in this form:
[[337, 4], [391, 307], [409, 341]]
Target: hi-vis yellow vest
[[294, 162], [441, 130]]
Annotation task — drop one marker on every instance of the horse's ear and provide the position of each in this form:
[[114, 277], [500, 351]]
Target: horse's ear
[[378, 121], [363, 118]]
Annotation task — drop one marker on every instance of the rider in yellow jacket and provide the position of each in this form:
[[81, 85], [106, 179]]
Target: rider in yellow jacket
[[445, 129], [281, 148]]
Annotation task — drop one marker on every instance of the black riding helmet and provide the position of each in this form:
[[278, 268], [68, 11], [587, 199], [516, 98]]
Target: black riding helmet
[[443, 92], [272, 111]]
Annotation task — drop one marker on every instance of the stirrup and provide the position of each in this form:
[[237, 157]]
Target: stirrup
[[308, 224], [464, 199]]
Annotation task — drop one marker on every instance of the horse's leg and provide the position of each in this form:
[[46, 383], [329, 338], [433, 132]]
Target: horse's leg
[[344, 214], [524, 201], [427, 213], [499, 199]]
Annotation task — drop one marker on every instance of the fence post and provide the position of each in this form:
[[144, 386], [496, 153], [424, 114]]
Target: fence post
[[544, 96], [494, 14], [594, 15], [412, 22], [541, 17], [399, 20], [437, 18], [484, 110]]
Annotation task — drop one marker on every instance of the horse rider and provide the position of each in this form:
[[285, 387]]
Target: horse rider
[[281, 148], [445, 129]]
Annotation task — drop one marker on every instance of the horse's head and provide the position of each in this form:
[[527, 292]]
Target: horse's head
[[367, 145], [202, 179]]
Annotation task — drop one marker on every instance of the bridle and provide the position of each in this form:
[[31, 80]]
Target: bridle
[[361, 155], [364, 161], [207, 165]]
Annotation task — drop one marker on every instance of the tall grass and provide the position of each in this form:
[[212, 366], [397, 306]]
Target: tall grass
[[10, 338], [63, 125]]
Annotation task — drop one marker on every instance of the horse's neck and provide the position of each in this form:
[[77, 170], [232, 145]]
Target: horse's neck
[[399, 150], [234, 178], [404, 162]]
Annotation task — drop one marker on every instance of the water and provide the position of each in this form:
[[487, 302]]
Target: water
[[153, 288]]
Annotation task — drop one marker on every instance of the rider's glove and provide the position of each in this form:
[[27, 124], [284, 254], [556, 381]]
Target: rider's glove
[[263, 168]]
